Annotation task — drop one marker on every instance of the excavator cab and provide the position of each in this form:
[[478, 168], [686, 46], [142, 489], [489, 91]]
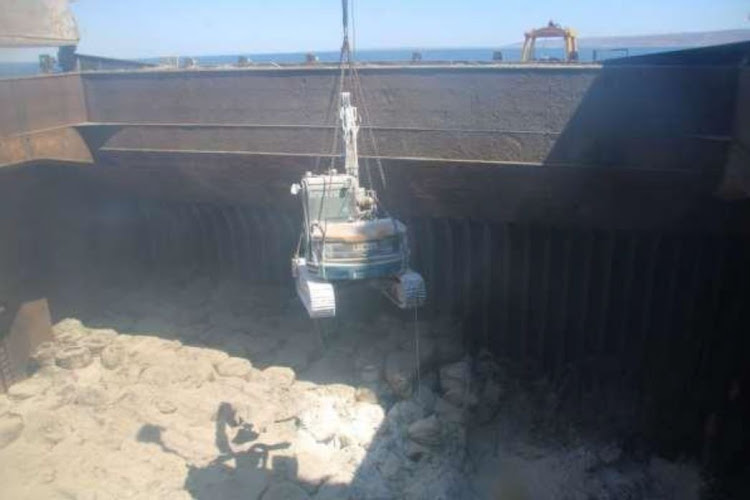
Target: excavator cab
[[348, 237]]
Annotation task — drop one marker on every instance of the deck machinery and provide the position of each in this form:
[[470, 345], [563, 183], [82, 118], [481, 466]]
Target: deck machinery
[[347, 236]]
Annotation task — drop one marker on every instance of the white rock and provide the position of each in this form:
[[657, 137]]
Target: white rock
[[449, 412], [342, 393], [366, 395], [234, 367], [415, 451], [67, 329], [321, 421], [214, 356], [391, 467], [104, 333], [314, 465], [72, 357], [364, 420], [370, 373], [399, 373], [165, 406], [159, 376], [425, 398], [404, 413], [427, 432], [28, 388], [95, 343], [460, 372], [455, 382], [44, 355], [280, 376], [90, 396], [45, 428], [461, 397], [112, 356], [11, 427]]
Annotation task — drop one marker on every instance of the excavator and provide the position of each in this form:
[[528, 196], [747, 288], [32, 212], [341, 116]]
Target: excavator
[[348, 237], [552, 30]]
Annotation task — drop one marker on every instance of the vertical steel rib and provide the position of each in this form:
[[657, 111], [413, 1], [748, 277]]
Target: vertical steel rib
[[486, 274]]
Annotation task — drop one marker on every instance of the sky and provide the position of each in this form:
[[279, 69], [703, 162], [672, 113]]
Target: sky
[[151, 28]]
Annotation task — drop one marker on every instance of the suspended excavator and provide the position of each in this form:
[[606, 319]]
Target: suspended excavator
[[347, 235]]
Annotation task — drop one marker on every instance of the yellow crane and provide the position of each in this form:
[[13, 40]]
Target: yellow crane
[[552, 30]]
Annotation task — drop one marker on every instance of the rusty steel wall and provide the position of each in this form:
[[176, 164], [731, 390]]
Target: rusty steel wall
[[38, 103], [35, 118], [649, 117]]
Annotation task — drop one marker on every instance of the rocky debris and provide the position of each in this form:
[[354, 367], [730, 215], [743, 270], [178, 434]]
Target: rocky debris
[[165, 406], [426, 432], [234, 367], [96, 342], [145, 418], [91, 396], [415, 451], [321, 421], [11, 427], [455, 382], [73, 357], [112, 356], [449, 412], [403, 414], [425, 397], [44, 355], [29, 387], [400, 369], [370, 374], [343, 394], [45, 428], [313, 466], [361, 423], [279, 375], [366, 395], [285, 491], [68, 328]]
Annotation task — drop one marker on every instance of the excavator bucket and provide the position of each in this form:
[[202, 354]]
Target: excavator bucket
[[406, 290]]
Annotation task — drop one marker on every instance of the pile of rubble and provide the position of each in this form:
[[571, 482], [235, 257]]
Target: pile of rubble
[[195, 394], [201, 402]]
